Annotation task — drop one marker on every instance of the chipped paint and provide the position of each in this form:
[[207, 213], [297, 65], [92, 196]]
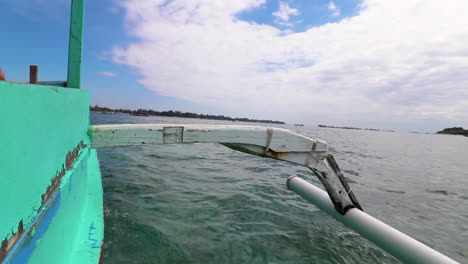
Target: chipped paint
[[278, 155], [70, 158], [24, 248], [68, 164], [7, 245], [58, 217], [34, 149]]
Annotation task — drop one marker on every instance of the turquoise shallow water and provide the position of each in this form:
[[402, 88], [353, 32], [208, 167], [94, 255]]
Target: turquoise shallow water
[[204, 203]]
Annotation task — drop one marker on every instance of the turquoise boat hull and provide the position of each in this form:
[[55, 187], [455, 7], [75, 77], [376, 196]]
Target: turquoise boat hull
[[50, 184]]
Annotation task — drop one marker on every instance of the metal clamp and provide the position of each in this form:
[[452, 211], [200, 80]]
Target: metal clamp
[[339, 191]]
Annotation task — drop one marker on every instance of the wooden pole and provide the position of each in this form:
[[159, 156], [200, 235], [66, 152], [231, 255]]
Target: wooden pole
[[2, 75], [33, 71], [75, 43]]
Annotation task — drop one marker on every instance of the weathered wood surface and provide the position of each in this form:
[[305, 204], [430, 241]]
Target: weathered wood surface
[[33, 74], [276, 143], [2, 75]]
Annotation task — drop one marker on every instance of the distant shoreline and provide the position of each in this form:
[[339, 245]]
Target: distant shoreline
[[171, 113], [356, 128]]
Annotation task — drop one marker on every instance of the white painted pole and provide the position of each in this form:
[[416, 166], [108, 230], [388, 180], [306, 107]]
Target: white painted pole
[[386, 237]]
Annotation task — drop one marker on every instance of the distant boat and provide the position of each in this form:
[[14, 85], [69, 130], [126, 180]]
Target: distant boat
[[139, 114], [298, 125]]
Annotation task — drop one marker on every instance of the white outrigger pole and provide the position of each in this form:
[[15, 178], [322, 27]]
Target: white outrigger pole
[[338, 200], [399, 245]]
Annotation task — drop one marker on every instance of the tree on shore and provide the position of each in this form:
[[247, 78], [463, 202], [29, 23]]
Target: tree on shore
[[172, 113], [454, 131]]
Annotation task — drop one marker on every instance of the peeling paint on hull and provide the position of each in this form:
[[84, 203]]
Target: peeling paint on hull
[[83, 229], [24, 242], [25, 247], [50, 184]]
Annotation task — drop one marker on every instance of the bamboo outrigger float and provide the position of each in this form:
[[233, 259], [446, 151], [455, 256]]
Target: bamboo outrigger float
[[50, 182]]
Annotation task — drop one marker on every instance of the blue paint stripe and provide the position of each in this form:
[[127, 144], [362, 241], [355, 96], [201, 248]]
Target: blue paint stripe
[[24, 248]]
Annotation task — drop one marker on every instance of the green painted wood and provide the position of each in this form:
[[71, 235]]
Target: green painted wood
[[76, 233], [40, 126], [88, 246], [75, 44]]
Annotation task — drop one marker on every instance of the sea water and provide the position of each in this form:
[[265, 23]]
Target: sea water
[[205, 203]]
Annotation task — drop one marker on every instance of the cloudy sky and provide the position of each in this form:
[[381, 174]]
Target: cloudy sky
[[400, 64]]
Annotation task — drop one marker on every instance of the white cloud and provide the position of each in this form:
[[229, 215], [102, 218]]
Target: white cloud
[[110, 74], [402, 62], [335, 10], [283, 14]]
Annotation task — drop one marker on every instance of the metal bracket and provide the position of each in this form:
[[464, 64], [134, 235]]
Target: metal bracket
[[268, 142], [339, 191]]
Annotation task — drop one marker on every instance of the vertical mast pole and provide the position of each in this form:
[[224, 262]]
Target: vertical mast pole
[[75, 44]]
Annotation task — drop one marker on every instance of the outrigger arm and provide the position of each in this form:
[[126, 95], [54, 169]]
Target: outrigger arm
[[339, 201], [276, 143]]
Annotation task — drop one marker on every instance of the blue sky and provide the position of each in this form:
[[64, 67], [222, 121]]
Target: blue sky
[[372, 63], [38, 34], [309, 14]]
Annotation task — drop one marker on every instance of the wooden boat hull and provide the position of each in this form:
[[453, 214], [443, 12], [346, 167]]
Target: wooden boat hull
[[50, 184]]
